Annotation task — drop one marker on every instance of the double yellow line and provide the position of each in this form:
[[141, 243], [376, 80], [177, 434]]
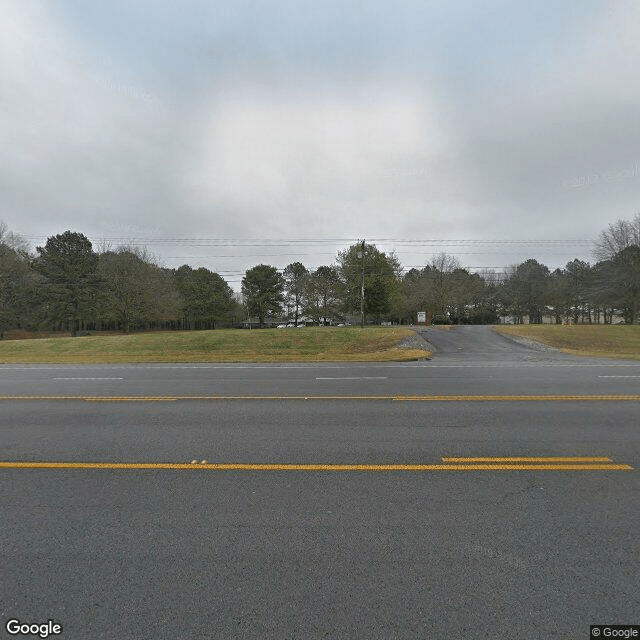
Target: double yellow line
[[517, 463], [448, 464]]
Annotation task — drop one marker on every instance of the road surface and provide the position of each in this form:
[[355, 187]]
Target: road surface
[[435, 548]]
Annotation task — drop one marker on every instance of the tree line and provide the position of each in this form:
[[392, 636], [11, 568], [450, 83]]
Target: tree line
[[367, 280], [67, 285]]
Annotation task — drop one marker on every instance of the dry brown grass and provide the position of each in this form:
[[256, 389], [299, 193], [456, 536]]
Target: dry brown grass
[[600, 340], [372, 344]]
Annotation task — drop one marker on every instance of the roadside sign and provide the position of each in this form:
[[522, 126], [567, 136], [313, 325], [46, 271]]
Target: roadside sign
[[422, 317]]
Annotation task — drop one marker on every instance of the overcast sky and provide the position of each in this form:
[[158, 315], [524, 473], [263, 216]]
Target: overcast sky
[[265, 123]]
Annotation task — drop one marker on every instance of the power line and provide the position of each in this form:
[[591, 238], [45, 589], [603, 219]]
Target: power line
[[251, 242]]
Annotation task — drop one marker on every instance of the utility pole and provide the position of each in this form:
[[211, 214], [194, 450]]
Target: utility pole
[[362, 288]]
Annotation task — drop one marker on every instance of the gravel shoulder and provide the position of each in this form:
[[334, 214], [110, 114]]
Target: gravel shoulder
[[416, 341], [529, 343]]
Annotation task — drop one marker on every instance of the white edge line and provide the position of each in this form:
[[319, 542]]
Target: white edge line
[[357, 378]]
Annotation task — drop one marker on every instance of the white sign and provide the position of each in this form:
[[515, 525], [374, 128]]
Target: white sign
[[422, 317]]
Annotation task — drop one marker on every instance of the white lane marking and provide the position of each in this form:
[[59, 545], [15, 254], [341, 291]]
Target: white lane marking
[[416, 365], [87, 378], [356, 378], [525, 365], [618, 376], [133, 365]]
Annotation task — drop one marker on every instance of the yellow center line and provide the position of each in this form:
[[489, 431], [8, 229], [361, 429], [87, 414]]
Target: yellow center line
[[527, 398], [397, 398], [495, 460], [315, 467], [130, 399]]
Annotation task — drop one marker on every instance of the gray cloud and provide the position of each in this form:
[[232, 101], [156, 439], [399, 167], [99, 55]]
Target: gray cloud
[[297, 120]]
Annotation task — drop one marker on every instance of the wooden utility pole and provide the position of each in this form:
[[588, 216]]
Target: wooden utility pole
[[362, 290]]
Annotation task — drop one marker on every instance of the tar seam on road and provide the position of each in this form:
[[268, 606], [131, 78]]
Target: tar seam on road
[[396, 398]]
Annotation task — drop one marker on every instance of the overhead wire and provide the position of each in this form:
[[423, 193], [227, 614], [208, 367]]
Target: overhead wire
[[234, 275]]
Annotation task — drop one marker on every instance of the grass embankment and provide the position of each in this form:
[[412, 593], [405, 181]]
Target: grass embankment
[[372, 344], [601, 340]]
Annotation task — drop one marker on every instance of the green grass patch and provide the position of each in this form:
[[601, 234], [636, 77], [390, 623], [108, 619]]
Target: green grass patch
[[600, 340], [371, 344]]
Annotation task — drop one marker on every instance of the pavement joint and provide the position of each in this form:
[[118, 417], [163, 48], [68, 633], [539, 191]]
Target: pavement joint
[[397, 398]]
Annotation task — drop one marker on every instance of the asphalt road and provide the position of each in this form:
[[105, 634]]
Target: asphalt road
[[261, 553]]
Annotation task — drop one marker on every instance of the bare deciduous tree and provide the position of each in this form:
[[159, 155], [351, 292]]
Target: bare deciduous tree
[[618, 236]]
